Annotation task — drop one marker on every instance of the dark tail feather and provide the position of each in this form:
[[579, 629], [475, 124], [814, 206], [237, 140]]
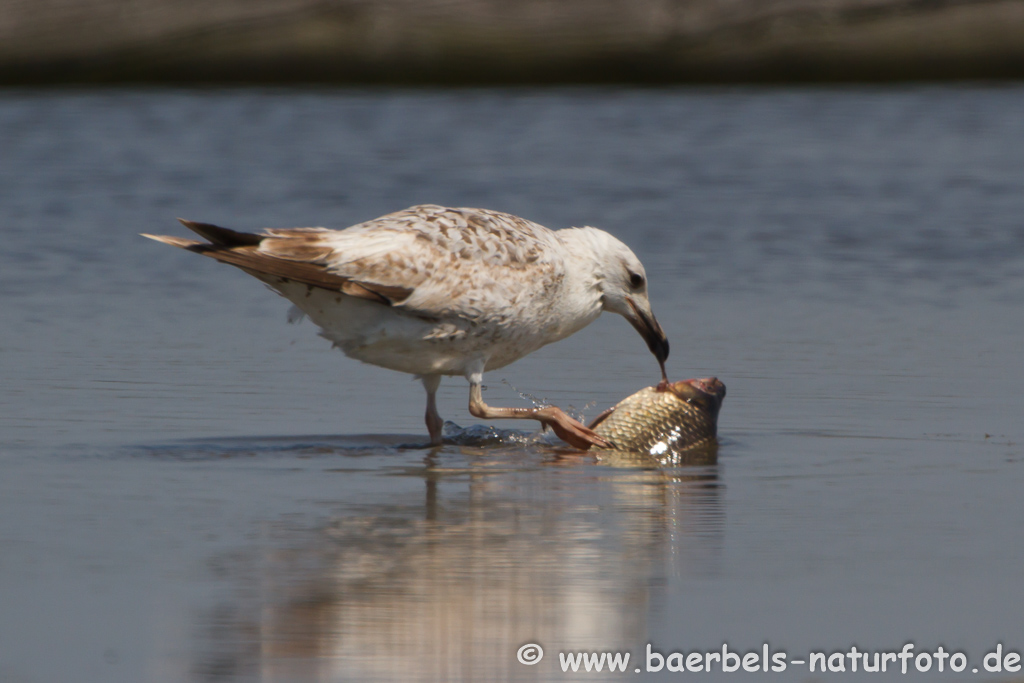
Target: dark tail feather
[[222, 237], [239, 249]]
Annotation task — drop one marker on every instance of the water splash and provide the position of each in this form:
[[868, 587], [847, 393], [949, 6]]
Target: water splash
[[578, 414], [486, 435], [537, 402]]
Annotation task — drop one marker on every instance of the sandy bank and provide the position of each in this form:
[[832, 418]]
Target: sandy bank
[[496, 41]]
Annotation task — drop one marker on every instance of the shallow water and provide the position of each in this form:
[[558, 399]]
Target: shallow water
[[193, 489]]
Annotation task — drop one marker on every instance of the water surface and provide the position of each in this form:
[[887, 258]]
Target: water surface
[[193, 489]]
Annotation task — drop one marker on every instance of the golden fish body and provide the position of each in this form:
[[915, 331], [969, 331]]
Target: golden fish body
[[666, 422]]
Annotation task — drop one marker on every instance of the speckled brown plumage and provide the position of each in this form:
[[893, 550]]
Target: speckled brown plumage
[[438, 291]]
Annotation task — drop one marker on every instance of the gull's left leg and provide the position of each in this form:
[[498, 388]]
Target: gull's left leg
[[434, 421], [566, 428]]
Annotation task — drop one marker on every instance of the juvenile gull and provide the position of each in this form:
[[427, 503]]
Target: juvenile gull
[[438, 291]]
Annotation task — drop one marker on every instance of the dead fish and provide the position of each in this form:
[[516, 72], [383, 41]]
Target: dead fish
[[666, 421]]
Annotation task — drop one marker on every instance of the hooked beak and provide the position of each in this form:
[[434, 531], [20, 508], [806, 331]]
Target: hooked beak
[[645, 323]]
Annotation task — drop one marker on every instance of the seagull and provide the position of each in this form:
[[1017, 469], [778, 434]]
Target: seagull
[[434, 291]]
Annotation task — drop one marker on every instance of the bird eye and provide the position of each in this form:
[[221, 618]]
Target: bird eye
[[636, 280]]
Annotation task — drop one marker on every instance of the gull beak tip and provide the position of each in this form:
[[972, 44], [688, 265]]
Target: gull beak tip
[[647, 325]]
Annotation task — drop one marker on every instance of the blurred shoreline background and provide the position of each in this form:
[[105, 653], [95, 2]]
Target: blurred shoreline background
[[467, 42]]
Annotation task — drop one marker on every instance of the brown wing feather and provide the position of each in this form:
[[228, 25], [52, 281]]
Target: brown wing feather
[[423, 258], [245, 254], [251, 259]]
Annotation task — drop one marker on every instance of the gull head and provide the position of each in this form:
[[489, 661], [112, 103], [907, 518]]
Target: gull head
[[622, 282]]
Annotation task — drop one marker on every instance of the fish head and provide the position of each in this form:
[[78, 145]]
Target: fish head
[[707, 392]]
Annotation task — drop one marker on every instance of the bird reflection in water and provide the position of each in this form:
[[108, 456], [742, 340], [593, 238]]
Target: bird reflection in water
[[562, 553]]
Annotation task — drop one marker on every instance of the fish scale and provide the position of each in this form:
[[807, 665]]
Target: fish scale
[[665, 423]]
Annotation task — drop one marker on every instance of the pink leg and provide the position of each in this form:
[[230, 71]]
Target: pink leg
[[566, 428], [434, 422]]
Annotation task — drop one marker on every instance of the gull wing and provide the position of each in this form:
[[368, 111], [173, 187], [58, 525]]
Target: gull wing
[[469, 263], [245, 250], [429, 260]]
